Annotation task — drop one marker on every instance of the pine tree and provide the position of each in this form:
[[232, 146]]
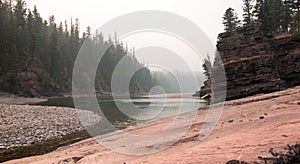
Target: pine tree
[[53, 51], [294, 5], [76, 38], [38, 33], [2, 20], [296, 22], [88, 31], [297, 5], [290, 4], [207, 67], [30, 32], [248, 14], [287, 17], [276, 15], [258, 10], [20, 13], [230, 20], [266, 18]]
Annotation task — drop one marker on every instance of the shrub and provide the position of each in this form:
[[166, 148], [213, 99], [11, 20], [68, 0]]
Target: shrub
[[290, 156]]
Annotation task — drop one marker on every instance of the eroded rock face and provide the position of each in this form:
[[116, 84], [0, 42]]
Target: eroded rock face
[[254, 64]]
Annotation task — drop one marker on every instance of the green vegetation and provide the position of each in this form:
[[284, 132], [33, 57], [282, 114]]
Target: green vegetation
[[207, 67], [272, 16], [248, 14], [290, 156], [230, 20], [39, 54]]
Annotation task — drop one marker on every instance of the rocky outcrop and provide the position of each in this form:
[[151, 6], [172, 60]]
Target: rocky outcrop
[[254, 64]]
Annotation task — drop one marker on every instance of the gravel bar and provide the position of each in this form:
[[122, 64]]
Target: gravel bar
[[22, 125]]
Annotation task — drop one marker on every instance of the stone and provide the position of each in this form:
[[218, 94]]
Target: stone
[[29, 124], [224, 35]]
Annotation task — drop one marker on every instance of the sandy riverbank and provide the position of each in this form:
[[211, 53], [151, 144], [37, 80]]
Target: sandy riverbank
[[248, 128]]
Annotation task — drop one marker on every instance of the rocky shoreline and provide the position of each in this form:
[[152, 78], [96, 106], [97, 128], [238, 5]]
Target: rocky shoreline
[[23, 125]]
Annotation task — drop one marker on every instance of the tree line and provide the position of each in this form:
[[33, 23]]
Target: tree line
[[28, 43], [272, 16]]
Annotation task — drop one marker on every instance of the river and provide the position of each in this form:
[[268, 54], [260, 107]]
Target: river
[[160, 106]]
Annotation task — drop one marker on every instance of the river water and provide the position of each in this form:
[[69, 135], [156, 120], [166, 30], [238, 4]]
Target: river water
[[159, 107]]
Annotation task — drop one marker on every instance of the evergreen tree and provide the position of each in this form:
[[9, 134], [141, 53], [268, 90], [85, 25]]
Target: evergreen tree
[[287, 17], [290, 4], [30, 32], [20, 13], [265, 17], [76, 37], [230, 20], [296, 22], [297, 5], [294, 5], [3, 17], [88, 31], [277, 9], [248, 14], [274, 16], [53, 51], [258, 10], [207, 67], [271, 17]]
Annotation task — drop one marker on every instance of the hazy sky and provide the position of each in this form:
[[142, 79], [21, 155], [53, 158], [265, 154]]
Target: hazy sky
[[206, 14]]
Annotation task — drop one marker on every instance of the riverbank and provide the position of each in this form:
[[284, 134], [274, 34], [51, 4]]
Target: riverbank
[[24, 125], [10, 99], [248, 128], [43, 146]]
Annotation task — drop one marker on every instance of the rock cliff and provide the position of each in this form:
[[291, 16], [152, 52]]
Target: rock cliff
[[255, 64]]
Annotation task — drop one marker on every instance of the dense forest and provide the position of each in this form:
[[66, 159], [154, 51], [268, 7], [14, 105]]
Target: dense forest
[[37, 55], [273, 17]]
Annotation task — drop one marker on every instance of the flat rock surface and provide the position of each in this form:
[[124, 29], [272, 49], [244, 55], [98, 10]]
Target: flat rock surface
[[248, 128]]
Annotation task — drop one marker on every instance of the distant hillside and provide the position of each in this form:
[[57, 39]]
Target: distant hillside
[[179, 81]]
